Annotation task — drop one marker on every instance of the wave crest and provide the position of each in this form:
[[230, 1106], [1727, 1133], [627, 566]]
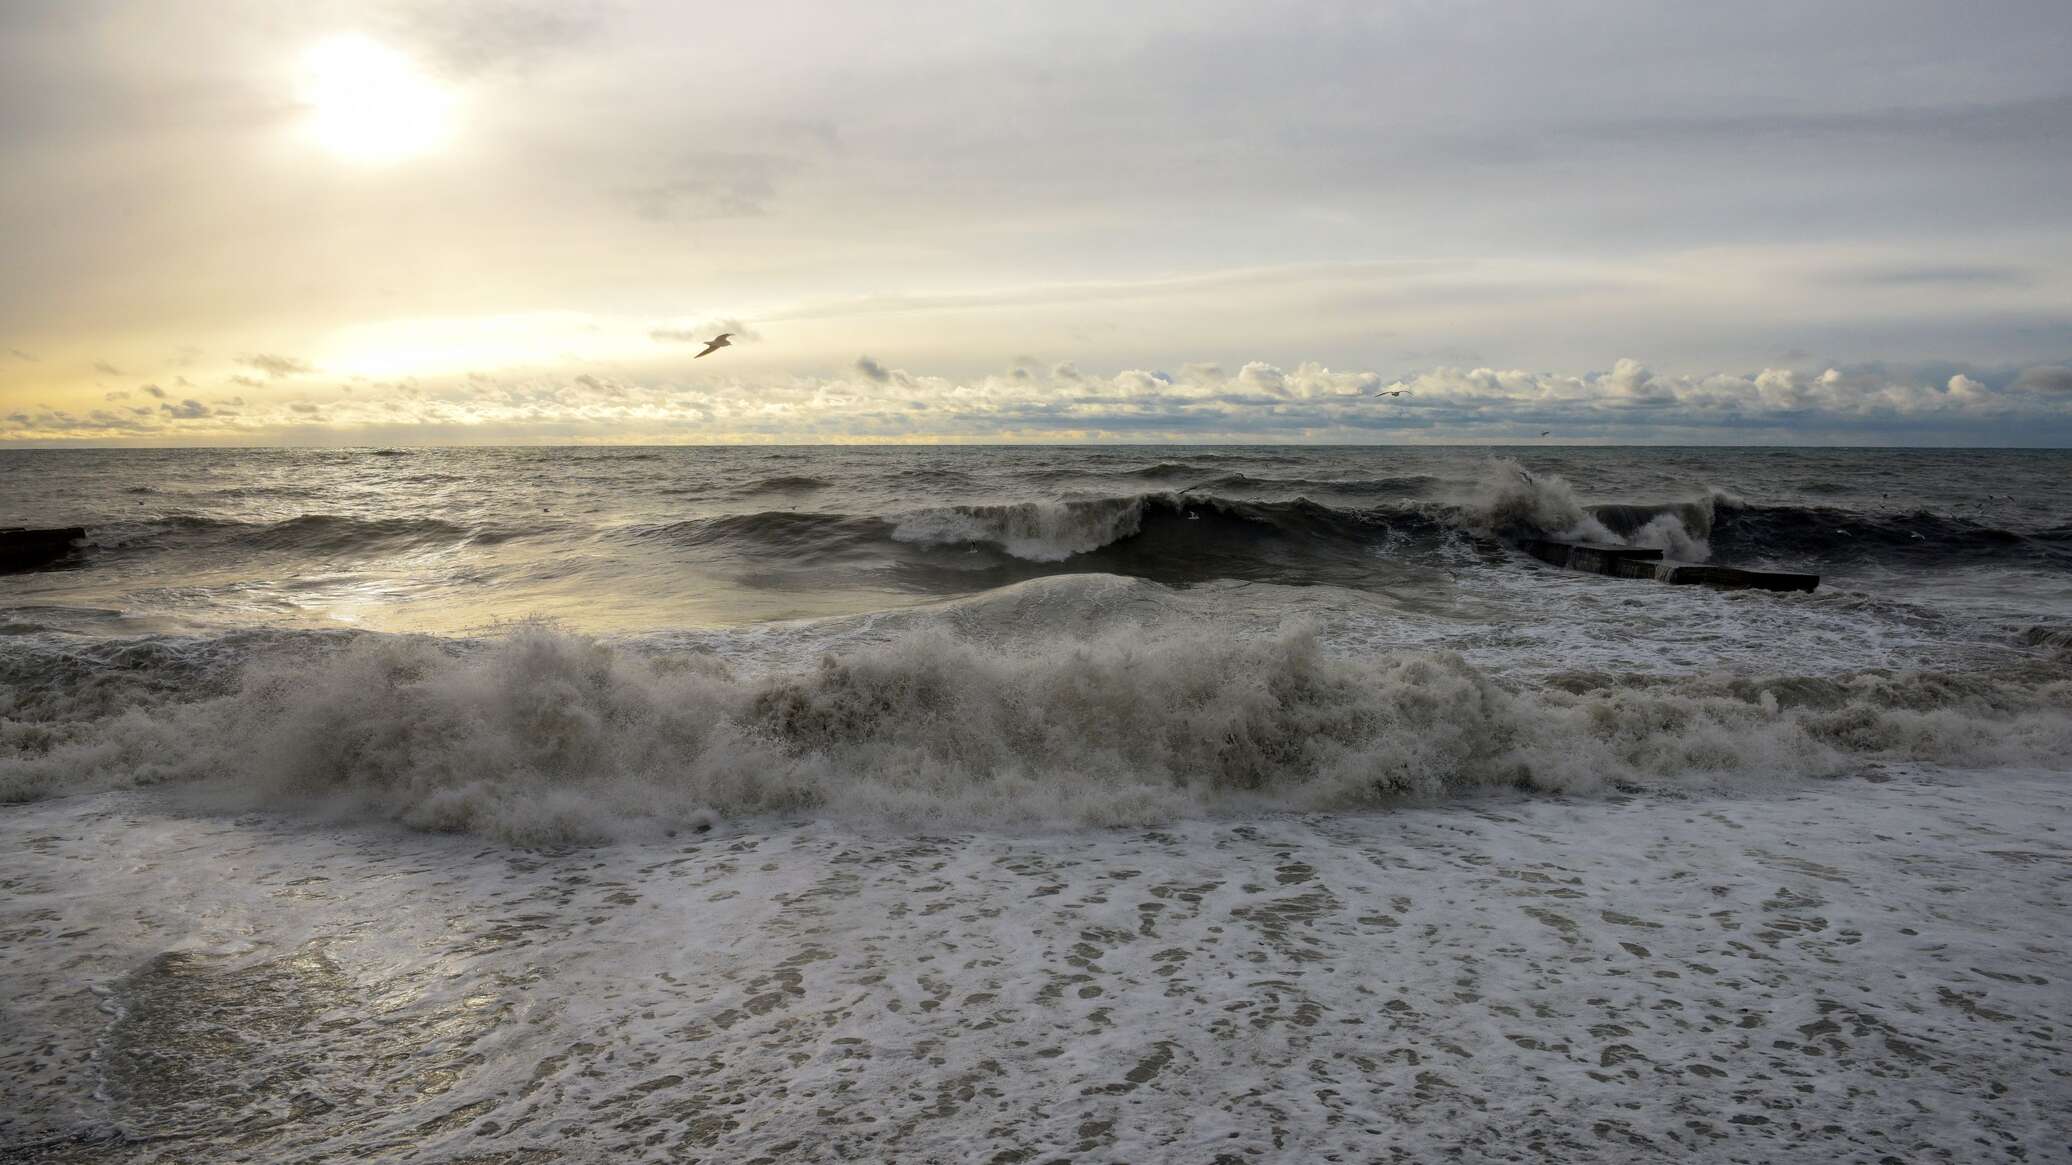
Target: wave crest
[[1033, 531], [542, 737]]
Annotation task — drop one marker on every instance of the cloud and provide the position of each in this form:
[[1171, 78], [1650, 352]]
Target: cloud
[[710, 186], [699, 333], [483, 36], [1258, 401], [598, 386], [2038, 121], [18, 354], [1947, 274], [275, 366], [1237, 280], [2050, 378], [106, 369], [151, 390]]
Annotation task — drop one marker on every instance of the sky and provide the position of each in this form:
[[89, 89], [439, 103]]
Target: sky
[[515, 221]]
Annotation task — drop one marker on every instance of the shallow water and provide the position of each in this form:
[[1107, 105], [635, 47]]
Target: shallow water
[[1845, 971]]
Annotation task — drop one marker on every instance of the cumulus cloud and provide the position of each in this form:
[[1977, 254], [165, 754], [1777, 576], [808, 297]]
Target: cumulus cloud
[[275, 366], [151, 390], [106, 369], [1259, 401], [602, 386]]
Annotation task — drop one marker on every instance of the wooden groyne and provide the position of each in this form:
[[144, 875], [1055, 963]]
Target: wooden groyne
[[22, 549], [1646, 562]]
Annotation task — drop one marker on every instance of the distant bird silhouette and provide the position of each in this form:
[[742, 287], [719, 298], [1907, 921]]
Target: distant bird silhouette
[[1392, 392], [723, 340], [1546, 432]]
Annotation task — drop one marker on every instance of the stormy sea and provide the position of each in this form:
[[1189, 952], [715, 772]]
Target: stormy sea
[[1202, 804]]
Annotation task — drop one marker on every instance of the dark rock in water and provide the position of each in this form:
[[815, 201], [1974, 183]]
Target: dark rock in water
[[22, 549], [1645, 562], [1728, 576]]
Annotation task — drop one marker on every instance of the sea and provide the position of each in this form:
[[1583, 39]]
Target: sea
[[1034, 804]]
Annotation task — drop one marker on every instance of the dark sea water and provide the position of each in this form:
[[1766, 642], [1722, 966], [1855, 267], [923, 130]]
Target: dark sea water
[[635, 540], [1116, 803]]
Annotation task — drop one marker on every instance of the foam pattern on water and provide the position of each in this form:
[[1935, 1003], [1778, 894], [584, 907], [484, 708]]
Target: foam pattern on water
[[1853, 971]]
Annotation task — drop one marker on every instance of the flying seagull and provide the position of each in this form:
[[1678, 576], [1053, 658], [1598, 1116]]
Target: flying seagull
[[715, 344], [1392, 392]]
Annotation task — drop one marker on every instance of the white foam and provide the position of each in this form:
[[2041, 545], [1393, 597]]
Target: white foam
[[1038, 531], [1508, 498], [544, 737], [1843, 971]]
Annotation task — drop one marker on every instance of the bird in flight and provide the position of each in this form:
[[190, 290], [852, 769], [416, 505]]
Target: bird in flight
[[1392, 392], [1547, 433], [722, 340]]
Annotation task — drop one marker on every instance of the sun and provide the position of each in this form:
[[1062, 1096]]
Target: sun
[[369, 103]]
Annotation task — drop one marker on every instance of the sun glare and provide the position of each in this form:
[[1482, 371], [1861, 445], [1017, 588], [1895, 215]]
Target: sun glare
[[370, 103]]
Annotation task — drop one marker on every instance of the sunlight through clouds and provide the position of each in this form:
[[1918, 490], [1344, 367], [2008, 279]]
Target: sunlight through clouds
[[369, 103]]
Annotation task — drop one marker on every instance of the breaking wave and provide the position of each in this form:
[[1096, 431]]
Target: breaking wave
[[1035, 531], [544, 737], [1171, 538], [1356, 532], [1514, 503]]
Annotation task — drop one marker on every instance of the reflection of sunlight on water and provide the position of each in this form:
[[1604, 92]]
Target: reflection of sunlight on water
[[207, 1048]]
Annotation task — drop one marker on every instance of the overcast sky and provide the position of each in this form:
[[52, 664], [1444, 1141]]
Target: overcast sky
[[510, 221]]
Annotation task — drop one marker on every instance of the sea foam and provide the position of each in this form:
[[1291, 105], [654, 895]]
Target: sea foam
[[540, 736]]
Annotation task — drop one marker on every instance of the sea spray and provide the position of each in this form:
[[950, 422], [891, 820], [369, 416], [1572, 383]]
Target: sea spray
[[543, 736]]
